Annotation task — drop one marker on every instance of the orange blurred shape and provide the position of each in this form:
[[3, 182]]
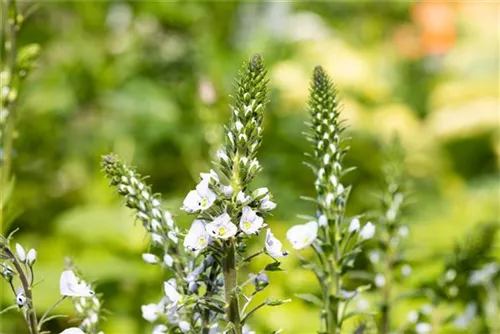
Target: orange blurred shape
[[436, 22], [406, 41]]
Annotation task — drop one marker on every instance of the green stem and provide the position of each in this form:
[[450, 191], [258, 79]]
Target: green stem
[[336, 274], [230, 287], [8, 135], [30, 313], [48, 311]]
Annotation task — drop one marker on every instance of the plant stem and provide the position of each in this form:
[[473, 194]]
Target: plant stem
[[386, 294], [48, 311], [230, 286], [30, 313], [8, 135], [336, 275]]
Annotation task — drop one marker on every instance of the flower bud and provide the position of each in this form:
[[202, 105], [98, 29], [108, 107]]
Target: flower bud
[[31, 257], [21, 254], [150, 258]]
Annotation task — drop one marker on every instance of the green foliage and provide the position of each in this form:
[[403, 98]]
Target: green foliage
[[150, 82]]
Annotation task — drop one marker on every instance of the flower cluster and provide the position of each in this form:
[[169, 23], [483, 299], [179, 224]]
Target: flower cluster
[[19, 263], [387, 258], [86, 303], [227, 211], [335, 241], [205, 260], [180, 307]]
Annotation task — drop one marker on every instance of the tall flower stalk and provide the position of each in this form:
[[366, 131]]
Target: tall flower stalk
[[228, 213], [335, 241], [15, 64], [387, 257]]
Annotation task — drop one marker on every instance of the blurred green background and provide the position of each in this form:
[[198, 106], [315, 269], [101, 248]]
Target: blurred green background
[[151, 82]]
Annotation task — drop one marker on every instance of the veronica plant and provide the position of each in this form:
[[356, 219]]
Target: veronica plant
[[335, 239], [227, 212], [205, 261], [17, 268], [180, 307], [387, 255], [16, 63]]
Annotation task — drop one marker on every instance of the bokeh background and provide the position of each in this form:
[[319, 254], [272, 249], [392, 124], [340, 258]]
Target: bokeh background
[[151, 82]]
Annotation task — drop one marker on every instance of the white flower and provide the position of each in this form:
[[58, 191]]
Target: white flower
[[150, 312], [72, 330], [210, 176], [222, 227], [21, 254], [184, 326], [157, 239], [172, 236], [273, 245], [354, 225], [379, 280], [31, 257], [374, 256], [423, 327], [69, 286], [406, 270], [368, 231], [168, 260], [362, 305], [450, 275], [301, 236], [464, 319], [197, 237], [242, 198], [160, 329], [221, 155], [20, 298], [413, 317], [238, 125], [260, 192], [266, 204], [250, 223], [226, 190], [322, 221], [200, 199], [171, 292], [484, 274], [150, 258], [403, 231]]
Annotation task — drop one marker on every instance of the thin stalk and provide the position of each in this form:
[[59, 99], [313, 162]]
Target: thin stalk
[[30, 313], [8, 136], [48, 311], [230, 287], [386, 293], [336, 274]]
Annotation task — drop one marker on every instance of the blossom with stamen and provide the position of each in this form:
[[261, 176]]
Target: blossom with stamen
[[200, 199], [273, 245], [301, 236], [222, 227], [197, 237], [69, 286], [250, 223]]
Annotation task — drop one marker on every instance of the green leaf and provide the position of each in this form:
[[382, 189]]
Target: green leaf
[[275, 266], [309, 298]]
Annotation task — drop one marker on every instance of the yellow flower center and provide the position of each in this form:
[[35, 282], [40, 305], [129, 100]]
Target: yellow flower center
[[222, 231], [204, 202], [247, 225], [202, 240]]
